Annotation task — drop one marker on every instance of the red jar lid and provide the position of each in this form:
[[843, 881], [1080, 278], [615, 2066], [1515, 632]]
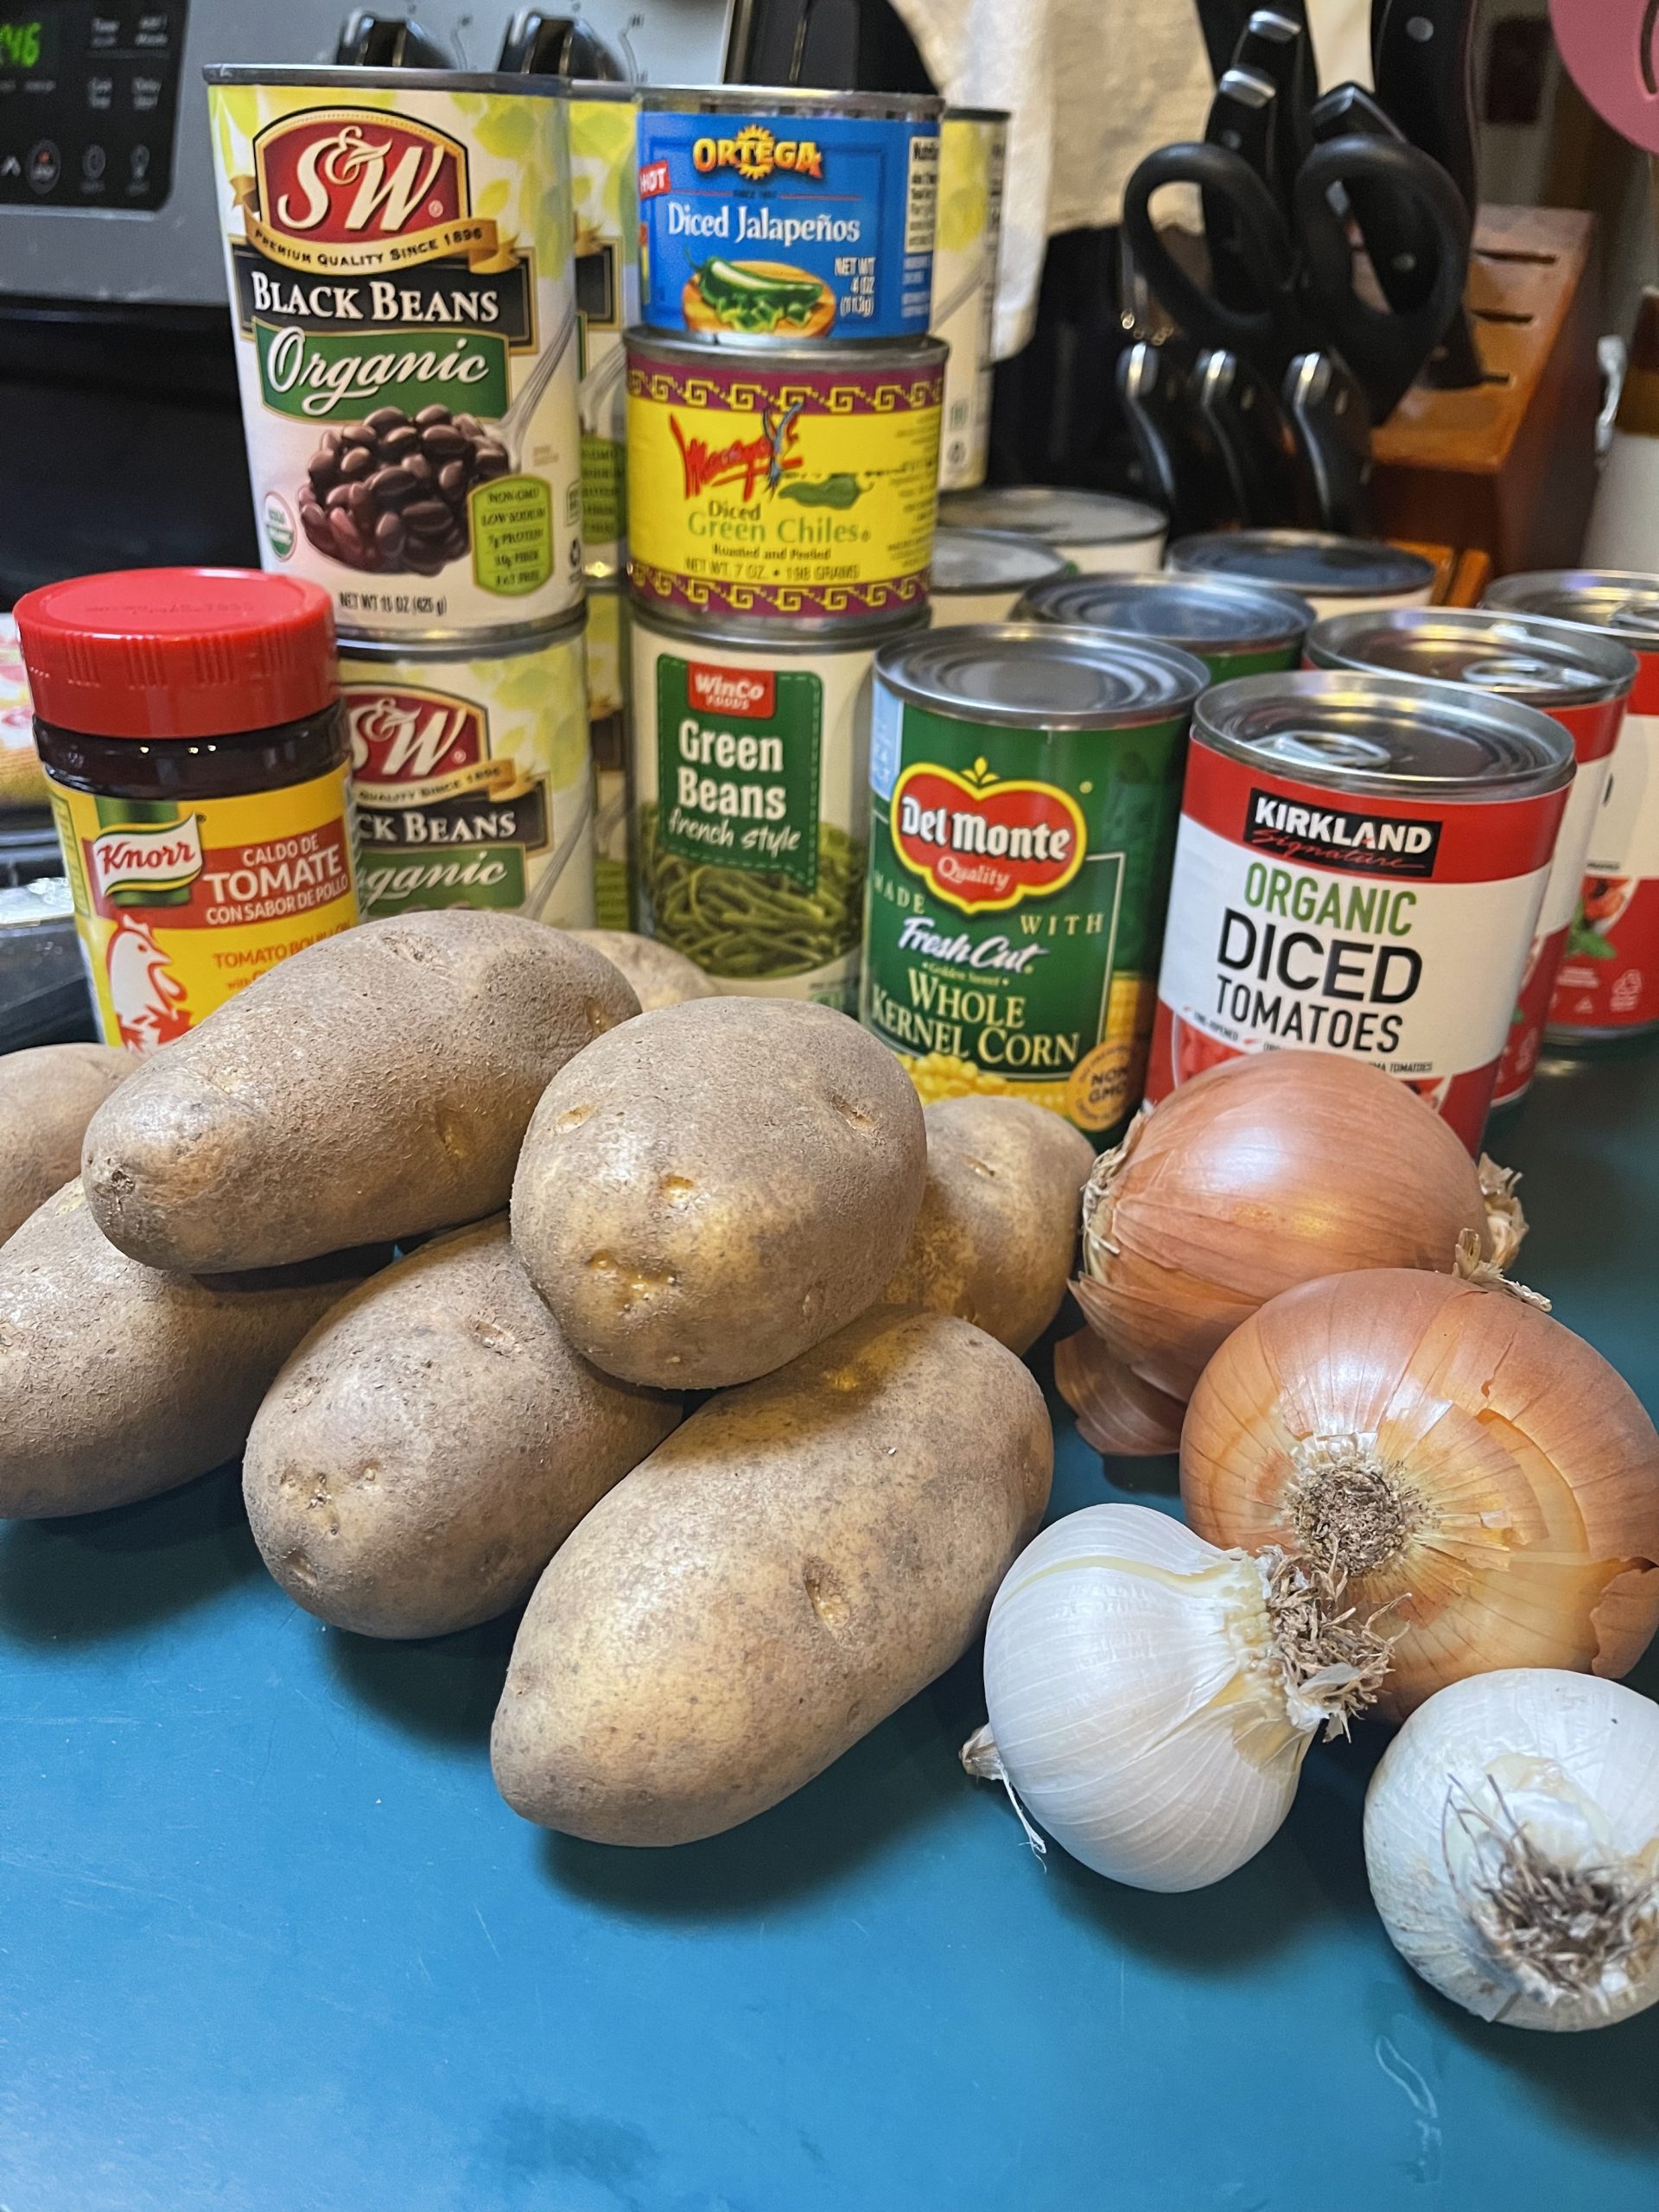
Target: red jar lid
[[178, 652]]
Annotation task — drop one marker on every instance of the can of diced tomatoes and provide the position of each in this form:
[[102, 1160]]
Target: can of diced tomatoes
[[1360, 868], [1025, 782], [1608, 986], [1581, 681]]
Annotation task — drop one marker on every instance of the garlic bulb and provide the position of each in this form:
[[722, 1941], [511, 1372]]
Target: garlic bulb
[[1151, 1698], [1466, 1466], [1512, 1843]]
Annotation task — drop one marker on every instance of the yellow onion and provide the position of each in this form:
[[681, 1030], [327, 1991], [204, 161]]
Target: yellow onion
[[1476, 1477], [1257, 1175]]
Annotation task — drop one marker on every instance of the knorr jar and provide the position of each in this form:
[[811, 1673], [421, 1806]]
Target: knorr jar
[[189, 721], [751, 779], [1025, 784], [471, 772], [398, 246]]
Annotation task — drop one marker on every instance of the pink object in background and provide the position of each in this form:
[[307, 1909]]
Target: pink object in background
[[1610, 49]]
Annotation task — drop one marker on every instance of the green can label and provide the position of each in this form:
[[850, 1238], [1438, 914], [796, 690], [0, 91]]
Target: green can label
[[1017, 887], [737, 767]]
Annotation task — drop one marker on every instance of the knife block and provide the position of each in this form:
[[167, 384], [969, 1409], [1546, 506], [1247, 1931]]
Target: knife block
[[1507, 467]]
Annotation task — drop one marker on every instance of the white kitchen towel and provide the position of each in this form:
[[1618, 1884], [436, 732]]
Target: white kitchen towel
[[1091, 85]]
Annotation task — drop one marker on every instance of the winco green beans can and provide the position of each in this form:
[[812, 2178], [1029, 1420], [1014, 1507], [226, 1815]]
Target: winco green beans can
[[608, 731], [973, 150], [602, 166], [471, 774], [1026, 783], [751, 777], [398, 249], [978, 575], [1234, 629]]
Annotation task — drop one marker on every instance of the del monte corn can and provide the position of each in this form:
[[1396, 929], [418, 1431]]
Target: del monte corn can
[[399, 252], [1025, 781], [798, 482]]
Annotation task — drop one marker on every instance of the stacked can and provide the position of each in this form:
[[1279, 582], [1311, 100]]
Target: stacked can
[[784, 402], [400, 250], [973, 153]]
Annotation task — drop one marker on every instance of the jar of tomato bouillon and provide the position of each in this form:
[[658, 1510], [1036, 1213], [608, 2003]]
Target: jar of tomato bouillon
[[189, 721]]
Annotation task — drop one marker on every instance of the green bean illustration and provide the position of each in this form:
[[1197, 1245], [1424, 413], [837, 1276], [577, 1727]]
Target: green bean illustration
[[748, 925]]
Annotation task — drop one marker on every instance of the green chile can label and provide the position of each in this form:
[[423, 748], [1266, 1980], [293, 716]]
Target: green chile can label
[[472, 779], [1016, 894], [750, 768], [399, 255]]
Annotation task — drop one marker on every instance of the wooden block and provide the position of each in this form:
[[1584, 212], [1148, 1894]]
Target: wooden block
[[1508, 467]]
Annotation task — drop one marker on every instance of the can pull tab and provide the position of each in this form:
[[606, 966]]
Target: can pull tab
[[1327, 748], [1512, 672]]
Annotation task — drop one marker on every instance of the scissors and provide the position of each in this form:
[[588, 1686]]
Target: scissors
[[1297, 267]]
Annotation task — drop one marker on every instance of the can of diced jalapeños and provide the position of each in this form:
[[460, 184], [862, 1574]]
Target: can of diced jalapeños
[[796, 483], [1025, 782], [398, 249], [750, 780], [768, 214], [1234, 629]]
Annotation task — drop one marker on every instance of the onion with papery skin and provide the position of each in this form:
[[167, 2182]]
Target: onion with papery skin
[[1512, 1843], [1261, 1173], [1464, 1462]]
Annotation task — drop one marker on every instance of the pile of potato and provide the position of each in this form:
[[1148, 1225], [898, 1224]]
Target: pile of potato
[[735, 1196]]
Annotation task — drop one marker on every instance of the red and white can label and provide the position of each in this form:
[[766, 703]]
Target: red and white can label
[[1609, 975], [1390, 931], [1594, 731]]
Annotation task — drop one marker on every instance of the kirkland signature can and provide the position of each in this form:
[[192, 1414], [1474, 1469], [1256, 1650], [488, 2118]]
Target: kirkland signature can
[[1579, 680], [767, 214], [1608, 986], [606, 642], [1025, 783], [1335, 576], [751, 773], [978, 575], [399, 245], [1234, 629], [471, 774], [799, 482], [607, 301], [1095, 530], [973, 151], [1360, 869]]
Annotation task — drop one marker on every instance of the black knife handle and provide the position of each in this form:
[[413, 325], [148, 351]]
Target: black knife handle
[[1422, 68]]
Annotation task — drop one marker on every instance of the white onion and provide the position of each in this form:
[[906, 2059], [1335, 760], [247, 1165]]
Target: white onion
[[1512, 1843]]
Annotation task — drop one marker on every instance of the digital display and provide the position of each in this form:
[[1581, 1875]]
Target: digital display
[[27, 42]]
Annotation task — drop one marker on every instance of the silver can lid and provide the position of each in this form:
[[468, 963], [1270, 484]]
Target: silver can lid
[[1623, 601], [1038, 676], [990, 560], [788, 99], [1054, 514], [1202, 615], [1305, 560], [1385, 736], [482, 644], [771, 357], [1547, 664]]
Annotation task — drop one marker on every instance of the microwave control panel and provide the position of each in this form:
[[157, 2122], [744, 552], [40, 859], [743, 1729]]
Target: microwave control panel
[[89, 92]]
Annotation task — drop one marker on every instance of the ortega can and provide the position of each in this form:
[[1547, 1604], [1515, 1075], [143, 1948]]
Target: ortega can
[[607, 301], [750, 776], [1361, 866], [1335, 576], [1581, 682], [1608, 986], [398, 246], [1025, 782], [769, 215], [1234, 629], [973, 152], [607, 734], [471, 772], [1093, 530], [799, 482], [978, 575]]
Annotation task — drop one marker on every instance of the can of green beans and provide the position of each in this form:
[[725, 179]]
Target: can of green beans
[[751, 783]]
